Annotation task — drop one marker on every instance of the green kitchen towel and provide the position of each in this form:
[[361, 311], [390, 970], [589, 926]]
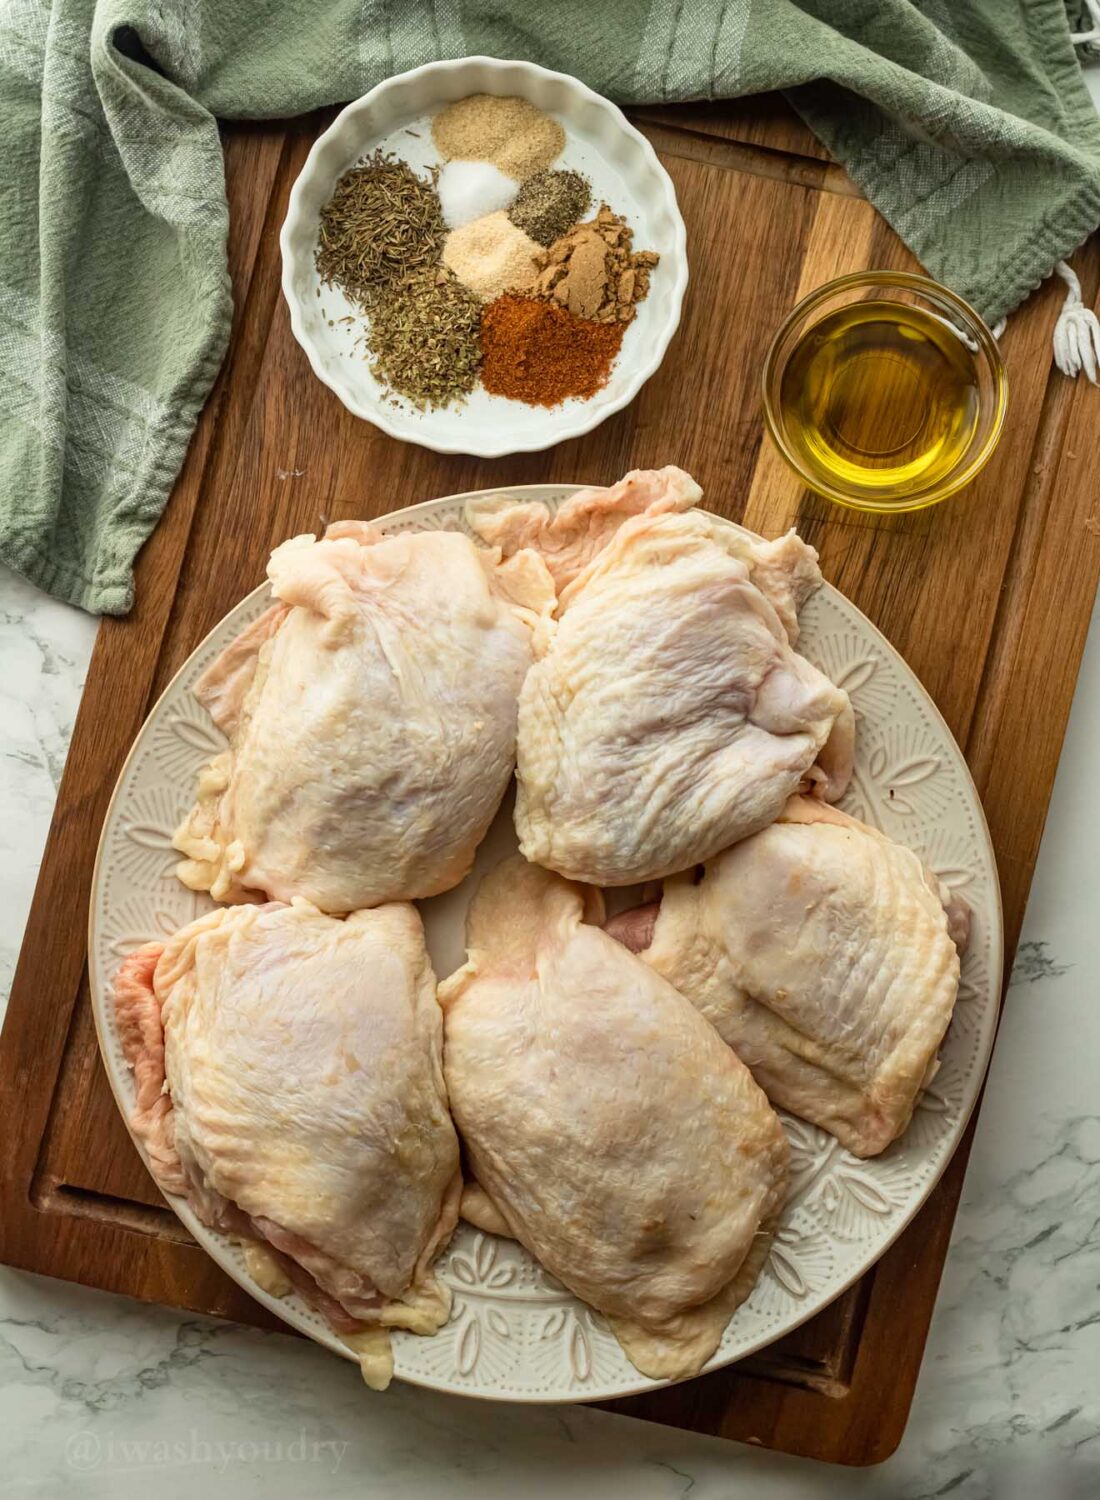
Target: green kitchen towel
[[966, 122]]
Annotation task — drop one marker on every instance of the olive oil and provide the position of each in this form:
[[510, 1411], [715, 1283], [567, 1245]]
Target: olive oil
[[880, 396]]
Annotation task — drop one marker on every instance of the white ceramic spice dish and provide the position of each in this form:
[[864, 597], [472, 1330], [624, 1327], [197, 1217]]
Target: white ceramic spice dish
[[396, 116]]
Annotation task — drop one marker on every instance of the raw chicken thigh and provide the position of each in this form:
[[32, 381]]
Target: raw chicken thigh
[[570, 537], [667, 715], [289, 1083], [827, 956], [371, 715], [607, 1125]]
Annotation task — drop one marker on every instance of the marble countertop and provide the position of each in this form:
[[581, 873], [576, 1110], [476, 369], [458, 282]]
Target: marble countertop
[[100, 1396]]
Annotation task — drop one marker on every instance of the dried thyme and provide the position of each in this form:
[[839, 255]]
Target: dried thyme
[[424, 338], [381, 223]]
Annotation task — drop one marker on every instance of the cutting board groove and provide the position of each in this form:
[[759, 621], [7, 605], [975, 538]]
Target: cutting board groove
[[987, 597]]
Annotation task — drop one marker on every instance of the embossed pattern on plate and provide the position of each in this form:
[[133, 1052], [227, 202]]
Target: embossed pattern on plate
[[515, 1333]]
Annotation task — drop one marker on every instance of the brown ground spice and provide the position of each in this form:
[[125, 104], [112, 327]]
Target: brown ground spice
[[594, 270], [537, 352]]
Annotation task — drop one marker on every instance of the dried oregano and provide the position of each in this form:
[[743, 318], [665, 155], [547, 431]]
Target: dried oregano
[[424, 338]]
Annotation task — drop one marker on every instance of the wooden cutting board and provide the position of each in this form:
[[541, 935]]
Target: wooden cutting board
[[988, 597]]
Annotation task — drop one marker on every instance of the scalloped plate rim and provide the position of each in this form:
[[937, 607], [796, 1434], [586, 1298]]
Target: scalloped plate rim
[[289, 1314]]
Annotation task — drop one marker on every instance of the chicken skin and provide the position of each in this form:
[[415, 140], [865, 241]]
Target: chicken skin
[[289, 1084], [371, 715], [827, 956], [666, 715], [607, 1125]]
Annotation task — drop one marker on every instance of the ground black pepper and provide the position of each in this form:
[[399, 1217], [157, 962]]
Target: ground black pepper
[[550, 203]]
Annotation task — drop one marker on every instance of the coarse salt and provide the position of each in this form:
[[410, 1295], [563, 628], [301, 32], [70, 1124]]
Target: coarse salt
[[469, 190]]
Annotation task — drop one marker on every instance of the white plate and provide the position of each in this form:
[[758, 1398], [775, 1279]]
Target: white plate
[[515, 1333], [623, 169]]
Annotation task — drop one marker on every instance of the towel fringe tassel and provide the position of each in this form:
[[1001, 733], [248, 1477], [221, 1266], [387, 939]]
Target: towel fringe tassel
[[1077, 331], [1088, 38]]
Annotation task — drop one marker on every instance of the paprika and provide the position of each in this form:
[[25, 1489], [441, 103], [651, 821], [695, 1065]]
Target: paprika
[[538, 352]]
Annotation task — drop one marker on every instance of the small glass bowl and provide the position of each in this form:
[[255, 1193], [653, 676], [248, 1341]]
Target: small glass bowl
[[990, 382]]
